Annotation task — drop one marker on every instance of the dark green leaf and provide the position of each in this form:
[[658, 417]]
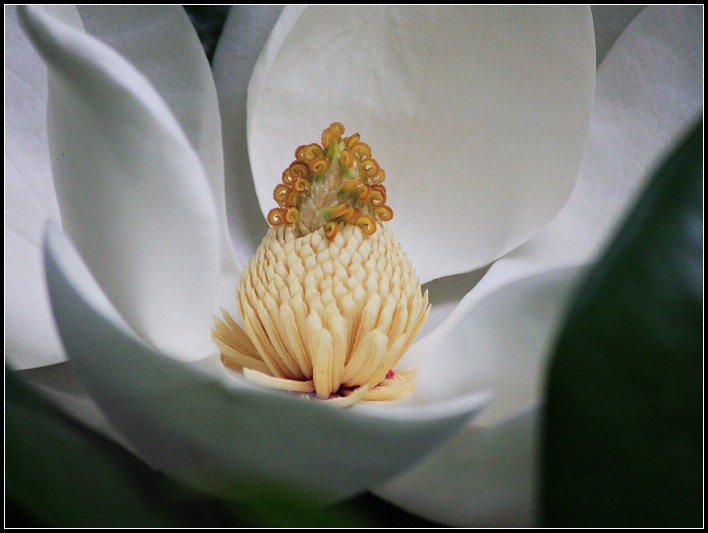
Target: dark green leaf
[[623, 421]]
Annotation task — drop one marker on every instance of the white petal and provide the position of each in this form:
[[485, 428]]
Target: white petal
[[447, 292], [498, 342], [30, 335], [196, 424], [485, 476], [649, 91], [652, 71], [133, 193], [478, 115], [482, 477], [161, 43], [246, 30]]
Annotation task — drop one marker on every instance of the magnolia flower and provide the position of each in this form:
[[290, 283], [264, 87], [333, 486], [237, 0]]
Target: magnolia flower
[[482, 115]]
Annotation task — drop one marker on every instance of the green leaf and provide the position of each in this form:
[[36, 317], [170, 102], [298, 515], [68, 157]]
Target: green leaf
[[623, 413]]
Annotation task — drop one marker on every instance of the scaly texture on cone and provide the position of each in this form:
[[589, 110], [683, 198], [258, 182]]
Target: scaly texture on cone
[[329, 303]]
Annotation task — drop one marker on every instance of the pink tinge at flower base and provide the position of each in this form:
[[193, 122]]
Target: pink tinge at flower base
[[330, 302]]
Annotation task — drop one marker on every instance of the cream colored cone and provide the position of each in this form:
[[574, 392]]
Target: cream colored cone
[[329, 316]]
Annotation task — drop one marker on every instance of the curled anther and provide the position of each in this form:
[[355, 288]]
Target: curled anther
[[287, 178], [379, 178], [364, 191], [377, 198], [298, 170], [367, 224], [302, 185], [361, 149], [331, 229], [275, 216], [318, 165], [382, 191], [308, 152], [346, 158], [383, 213], [280, 193], [292, 199], [370, 168], [337, 182], [332, 134], [351, 185], [340, 211], [352, 216], [291, 216], [352, 140]]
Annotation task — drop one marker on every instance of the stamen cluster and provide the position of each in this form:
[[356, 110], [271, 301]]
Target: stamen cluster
[[335, 183]]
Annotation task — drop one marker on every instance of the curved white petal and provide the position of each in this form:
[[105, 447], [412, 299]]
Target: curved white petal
[[246, 30], [651, 76], [649, 91], [226, 436], [30, 334], [477, 114], [485, 475], [480, 478], [161, 43], [133, 193], [447, 292]]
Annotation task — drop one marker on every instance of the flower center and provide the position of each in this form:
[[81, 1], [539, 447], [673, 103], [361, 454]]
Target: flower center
[[329, 303], [335, 183]]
